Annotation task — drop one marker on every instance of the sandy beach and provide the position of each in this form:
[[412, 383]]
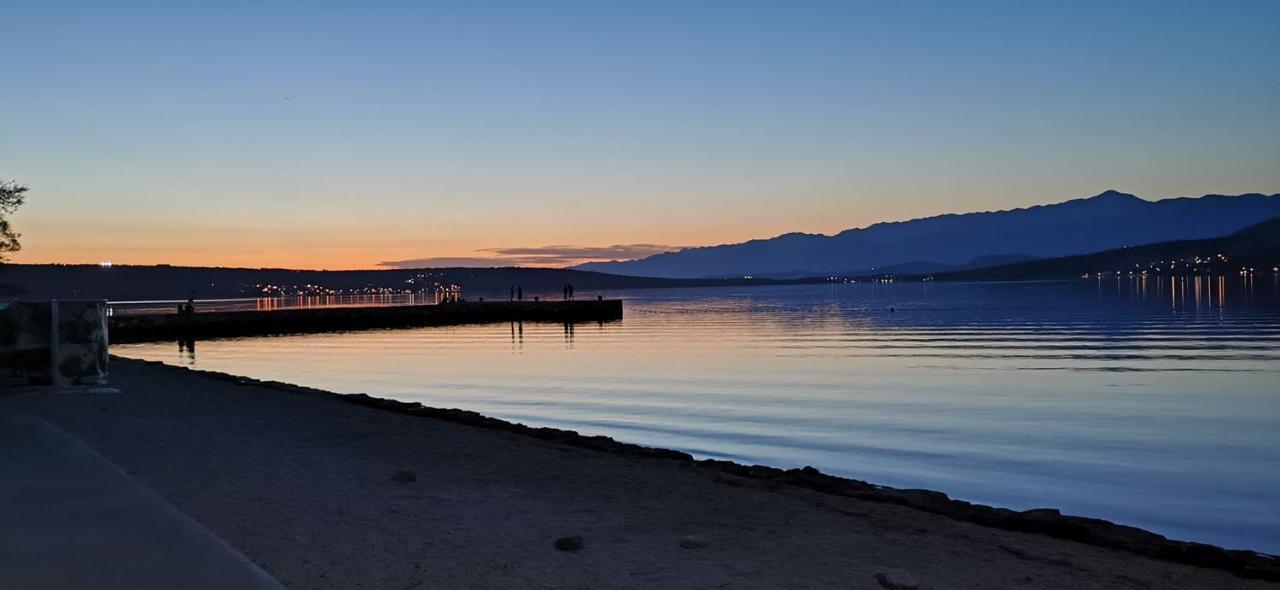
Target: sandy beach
[[324, 493]]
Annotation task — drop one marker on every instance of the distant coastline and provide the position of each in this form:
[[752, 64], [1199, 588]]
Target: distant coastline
[[1252, 250], [166, 282]]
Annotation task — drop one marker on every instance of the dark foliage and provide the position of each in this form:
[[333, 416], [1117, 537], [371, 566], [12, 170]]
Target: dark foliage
[[12, 195]]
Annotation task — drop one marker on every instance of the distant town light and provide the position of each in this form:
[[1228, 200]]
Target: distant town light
[[105, 264]]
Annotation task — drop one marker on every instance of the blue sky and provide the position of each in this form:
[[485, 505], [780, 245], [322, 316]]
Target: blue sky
[[342, 135]]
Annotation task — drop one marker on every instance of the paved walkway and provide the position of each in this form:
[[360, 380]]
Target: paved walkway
[[69, 518]]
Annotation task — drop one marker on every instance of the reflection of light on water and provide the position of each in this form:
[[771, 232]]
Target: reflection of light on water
[[1095, 400], [1187, 292]]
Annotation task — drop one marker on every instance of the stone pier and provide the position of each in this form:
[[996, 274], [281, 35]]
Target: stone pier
[[160, 327]]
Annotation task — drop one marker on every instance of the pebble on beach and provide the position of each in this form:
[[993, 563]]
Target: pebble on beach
[[404, 476], [693, 542], [897, 579], [573, 543]]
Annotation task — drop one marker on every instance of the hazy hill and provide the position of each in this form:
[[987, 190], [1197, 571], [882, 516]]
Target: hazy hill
[[123, 283], [1257, 247], [1109, 220]]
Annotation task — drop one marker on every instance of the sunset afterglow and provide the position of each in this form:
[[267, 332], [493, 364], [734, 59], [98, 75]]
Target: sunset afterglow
[[454, 132]]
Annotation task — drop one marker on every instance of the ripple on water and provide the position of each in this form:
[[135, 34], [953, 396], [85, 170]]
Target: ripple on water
[[1111, 403]]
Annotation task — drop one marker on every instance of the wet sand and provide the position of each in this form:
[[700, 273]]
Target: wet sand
[[323, 493]]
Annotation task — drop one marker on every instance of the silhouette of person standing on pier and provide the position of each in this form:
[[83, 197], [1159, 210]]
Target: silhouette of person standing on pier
[[569, 291], [520, 293], [513, 293]]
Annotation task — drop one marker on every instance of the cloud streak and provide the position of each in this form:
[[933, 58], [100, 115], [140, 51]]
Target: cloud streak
[[540, 256]]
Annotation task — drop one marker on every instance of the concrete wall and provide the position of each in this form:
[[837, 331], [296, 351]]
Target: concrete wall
[[53, 342]]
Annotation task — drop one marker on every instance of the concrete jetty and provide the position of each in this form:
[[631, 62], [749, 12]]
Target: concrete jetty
[[225, 324]]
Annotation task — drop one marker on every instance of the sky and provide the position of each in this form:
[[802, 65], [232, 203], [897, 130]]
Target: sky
[[354, 135]]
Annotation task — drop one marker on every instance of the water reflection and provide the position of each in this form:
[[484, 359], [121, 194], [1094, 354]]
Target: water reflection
[[1205, 292], [187, 348], [1151, 402]]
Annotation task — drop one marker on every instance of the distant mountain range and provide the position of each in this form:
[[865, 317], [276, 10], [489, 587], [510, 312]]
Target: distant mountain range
[[963, 241], [1255, 248]]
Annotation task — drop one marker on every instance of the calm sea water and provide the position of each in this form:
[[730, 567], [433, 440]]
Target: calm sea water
[[1153, 403]]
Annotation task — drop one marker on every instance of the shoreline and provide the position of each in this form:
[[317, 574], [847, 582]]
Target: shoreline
[[191, 434], [1045, 521]]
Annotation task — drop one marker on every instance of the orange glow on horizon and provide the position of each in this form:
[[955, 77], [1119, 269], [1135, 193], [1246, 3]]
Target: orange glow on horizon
[[322, 244]]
